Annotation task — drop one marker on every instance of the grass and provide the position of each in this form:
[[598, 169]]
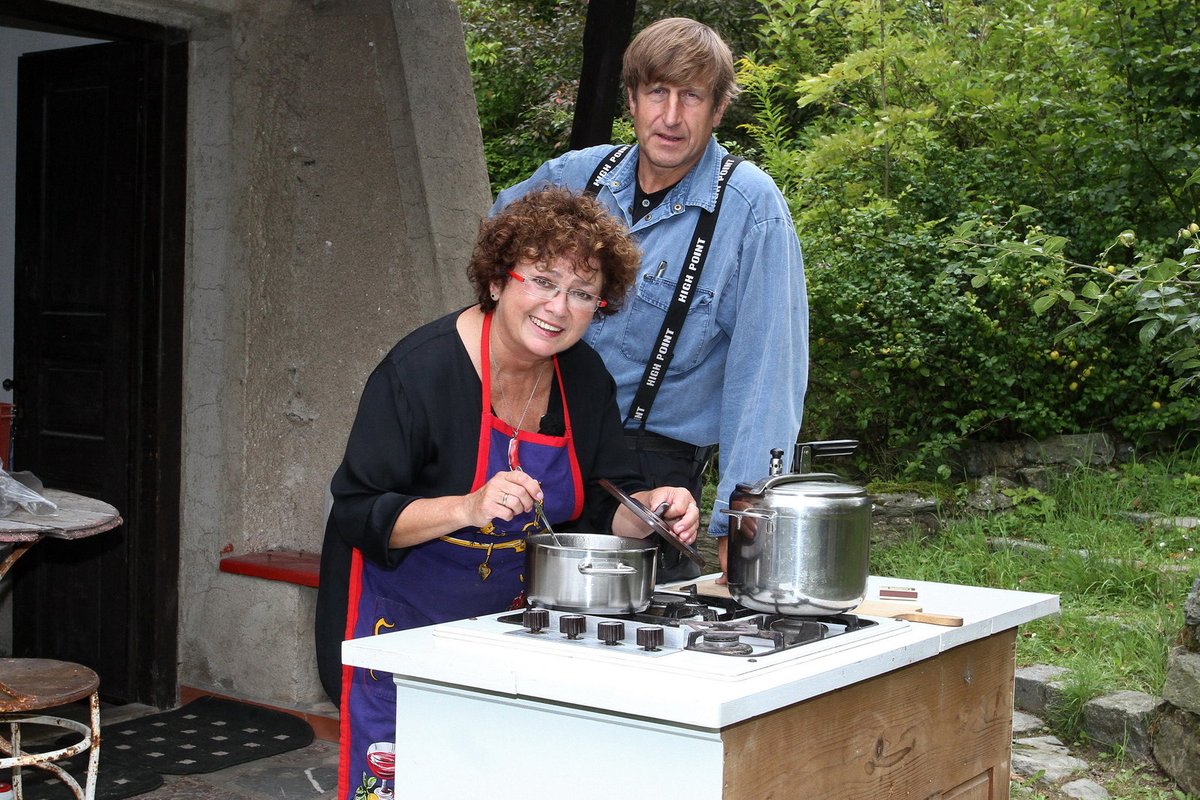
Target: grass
[[1122, 582]]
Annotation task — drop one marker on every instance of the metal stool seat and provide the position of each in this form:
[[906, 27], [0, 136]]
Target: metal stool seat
[[29, 685]]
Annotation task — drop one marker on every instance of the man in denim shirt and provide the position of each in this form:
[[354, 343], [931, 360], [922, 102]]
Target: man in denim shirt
[[739, 368]]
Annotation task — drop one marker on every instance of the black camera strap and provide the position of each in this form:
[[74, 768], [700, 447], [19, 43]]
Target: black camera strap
[[668, 335]]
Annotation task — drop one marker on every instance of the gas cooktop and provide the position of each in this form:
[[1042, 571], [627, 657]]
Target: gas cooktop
[[679, 632]]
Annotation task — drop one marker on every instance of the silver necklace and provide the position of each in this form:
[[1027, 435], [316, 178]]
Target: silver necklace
[[514, 454], [532, 392]]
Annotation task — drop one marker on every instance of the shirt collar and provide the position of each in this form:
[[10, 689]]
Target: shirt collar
[[698, 187]]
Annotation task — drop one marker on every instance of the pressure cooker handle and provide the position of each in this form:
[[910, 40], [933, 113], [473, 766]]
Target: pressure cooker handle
[[746, 512], [588, 568], [807, 451]]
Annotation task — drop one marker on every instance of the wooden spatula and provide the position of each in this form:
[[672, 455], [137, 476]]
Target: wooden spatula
[[906, 610]]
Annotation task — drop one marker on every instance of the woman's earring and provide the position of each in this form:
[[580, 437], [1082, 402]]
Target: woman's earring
[[495, 296]]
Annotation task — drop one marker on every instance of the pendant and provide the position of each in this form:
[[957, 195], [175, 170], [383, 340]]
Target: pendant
[[514, 453], [485, 571]]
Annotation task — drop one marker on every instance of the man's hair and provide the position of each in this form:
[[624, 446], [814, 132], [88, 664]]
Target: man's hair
[[684, 52]]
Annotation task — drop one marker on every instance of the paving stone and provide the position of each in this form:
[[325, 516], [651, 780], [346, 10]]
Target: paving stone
[[1122, 720], [1046, 755], [1038, 687], [1025, 724], [1084, 789]]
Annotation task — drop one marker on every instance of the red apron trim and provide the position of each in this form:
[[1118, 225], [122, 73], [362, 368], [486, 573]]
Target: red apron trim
[[354, 597]]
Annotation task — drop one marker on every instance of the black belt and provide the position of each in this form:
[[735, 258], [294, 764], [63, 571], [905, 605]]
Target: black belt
[[654, 443]]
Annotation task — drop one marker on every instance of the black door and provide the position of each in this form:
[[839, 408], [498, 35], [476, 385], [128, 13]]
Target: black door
[[97, 353]]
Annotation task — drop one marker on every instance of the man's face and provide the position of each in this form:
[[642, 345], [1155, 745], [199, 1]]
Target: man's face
[[673, 125]]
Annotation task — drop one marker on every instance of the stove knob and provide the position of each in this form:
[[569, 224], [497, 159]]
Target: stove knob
[[572, 625], [611, 632], [535, 619], [651, 637]]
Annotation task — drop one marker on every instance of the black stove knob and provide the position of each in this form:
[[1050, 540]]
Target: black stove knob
[[611, 631], [651, 637], [535, 619], [572, 625]]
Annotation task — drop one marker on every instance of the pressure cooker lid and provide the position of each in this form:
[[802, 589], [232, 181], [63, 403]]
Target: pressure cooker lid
[[808, 484]]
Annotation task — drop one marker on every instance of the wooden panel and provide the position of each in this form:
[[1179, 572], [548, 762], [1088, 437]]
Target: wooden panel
[[911, 734], [978, 788]]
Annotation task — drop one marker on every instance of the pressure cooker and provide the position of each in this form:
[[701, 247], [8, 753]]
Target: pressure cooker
[[799, 542]]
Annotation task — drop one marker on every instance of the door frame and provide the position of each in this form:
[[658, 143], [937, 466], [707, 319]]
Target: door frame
[[156, 369]]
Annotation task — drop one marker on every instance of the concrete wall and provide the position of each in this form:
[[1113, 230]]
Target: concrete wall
[[336, 181]]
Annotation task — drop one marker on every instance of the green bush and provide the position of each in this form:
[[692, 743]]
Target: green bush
[[895, 127], [913, 143]]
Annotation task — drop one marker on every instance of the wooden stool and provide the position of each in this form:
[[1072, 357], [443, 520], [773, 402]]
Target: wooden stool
[[29, 685]]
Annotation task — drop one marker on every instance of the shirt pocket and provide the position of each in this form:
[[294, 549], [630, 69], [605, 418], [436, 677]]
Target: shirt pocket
[[647, 309]]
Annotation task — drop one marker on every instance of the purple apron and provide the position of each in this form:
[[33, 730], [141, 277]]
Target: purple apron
[[471, 572]]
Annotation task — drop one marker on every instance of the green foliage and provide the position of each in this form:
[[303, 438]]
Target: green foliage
[[893, 128], [958, 173], [1160, 293], [525, 57]]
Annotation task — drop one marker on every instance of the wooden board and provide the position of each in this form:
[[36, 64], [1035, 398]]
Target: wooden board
[[903, 609], [711, 588], [886, 608], [870, 608]]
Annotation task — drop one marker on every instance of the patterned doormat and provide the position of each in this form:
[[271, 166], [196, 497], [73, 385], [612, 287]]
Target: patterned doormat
[[206, 735], [116, 780]]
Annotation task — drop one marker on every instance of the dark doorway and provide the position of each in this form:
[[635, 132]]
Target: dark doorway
[[97, 344]]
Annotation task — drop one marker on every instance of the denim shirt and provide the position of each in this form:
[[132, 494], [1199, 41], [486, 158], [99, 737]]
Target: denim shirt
[[740, 368]]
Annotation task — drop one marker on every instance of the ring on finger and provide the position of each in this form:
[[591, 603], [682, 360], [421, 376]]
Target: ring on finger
[[504, 499]]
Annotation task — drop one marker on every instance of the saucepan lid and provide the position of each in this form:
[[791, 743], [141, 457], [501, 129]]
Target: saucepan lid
[[654, 521]]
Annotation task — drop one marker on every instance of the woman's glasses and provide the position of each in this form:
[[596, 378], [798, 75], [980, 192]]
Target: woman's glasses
[[543, 289]]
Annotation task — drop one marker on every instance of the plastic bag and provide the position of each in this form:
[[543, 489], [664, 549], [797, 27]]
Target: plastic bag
[[13, 493]]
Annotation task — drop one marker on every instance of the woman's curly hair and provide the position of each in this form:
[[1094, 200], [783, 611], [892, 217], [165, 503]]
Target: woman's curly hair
[[549, 223]]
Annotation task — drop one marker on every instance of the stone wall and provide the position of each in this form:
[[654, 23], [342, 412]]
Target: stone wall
[[1176, 733], [992, 469]]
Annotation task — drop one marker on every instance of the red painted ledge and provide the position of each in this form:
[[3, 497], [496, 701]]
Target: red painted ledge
[[289, 566]]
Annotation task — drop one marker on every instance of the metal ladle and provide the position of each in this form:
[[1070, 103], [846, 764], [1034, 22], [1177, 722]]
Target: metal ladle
[[540, 513]]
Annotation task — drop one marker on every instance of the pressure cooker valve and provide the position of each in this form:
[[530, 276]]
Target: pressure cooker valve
[[572, 625], [535, 619], [611, 631], [776, 462], [650, 638]]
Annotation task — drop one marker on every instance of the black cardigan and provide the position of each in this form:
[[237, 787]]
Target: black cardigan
[[417, 435]]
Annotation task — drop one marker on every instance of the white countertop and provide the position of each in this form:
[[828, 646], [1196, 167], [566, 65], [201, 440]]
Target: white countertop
[[664, 689]]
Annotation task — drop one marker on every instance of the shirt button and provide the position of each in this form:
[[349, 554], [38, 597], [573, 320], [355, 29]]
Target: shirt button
[[678, 207]]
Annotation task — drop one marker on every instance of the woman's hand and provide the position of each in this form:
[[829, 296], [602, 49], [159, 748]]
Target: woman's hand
[[682, 516], [504, 496]]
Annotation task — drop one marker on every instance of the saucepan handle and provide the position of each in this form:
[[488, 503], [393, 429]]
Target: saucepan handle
[[588, 568]]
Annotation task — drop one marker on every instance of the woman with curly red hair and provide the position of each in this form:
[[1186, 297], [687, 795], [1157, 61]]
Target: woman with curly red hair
[[465, 425]]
